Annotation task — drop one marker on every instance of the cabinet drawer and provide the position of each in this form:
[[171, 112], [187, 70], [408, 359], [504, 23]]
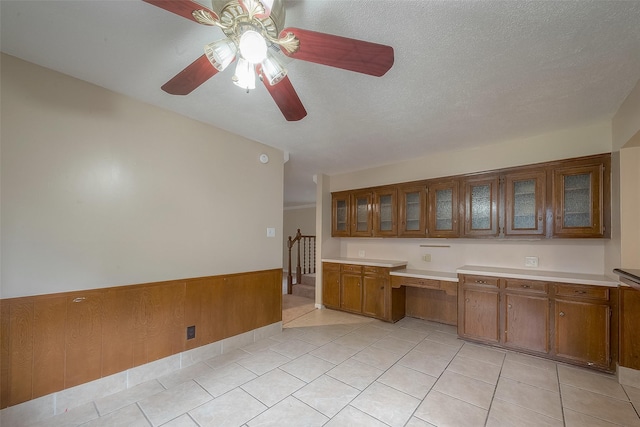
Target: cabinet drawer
[[368, 269], [582, 291], [349, 268], [419, 283], [330, 266], [527, 286], [481, 281]]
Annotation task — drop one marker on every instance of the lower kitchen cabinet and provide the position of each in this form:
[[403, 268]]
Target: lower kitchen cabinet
[[359, 289], [331, 284], [478, 315], [567, 322]]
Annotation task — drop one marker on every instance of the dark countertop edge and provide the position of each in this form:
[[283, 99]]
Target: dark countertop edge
[[630, 274]]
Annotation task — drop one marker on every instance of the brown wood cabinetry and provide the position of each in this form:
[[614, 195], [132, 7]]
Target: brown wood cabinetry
[[567, 199], [331, 284], [360, 289], [481, 204], [579, 200], [525, 199], [444, 208], [629, 330], [385, 212], [341, 214], [412, 206], [566, 322], [478, 308]]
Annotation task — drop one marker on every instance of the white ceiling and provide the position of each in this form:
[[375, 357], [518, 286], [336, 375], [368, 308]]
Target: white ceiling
[[465, 74]]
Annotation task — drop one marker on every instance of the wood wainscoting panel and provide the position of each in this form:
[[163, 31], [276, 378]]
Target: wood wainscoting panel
[[50, 316], [5, 329], [21, 352], [83, 338], [205, 309], [118, 329], [52, 342]]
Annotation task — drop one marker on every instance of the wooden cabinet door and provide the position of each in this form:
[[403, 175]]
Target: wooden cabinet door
[[385, 212], [582, 332], [527, 322], [578, 201], [351, 292], [361, 214], [341, 214], [481, 195], [373, 299], [629, 332], [331, 285], [525, 203], [479, 314], [412, 208], [443, 209]]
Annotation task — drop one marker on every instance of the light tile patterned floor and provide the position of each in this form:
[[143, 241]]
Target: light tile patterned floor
[[335, 369]]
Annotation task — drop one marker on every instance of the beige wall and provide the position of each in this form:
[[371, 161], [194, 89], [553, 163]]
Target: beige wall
[[585, 256], [624, 248], [101, 190]]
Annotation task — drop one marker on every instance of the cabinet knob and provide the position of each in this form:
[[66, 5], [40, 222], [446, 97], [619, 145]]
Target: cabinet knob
[[509, 305], [561, 314], [466, 300]]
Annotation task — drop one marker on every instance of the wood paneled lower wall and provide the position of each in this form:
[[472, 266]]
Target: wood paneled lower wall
[[52, 342]]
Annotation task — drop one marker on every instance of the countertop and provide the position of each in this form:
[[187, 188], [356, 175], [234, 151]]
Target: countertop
[[367, 261], [629, 276], [552, 276], [426, 274]]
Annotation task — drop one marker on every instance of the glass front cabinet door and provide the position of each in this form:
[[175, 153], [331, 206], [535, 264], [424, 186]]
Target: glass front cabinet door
[[525, 203], [340, 212], [578, 201], [385, 212], [443, 209], [481, 206], [361, 214], [412, 208]]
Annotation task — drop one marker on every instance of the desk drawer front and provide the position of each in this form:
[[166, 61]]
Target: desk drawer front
[[582, 291], [527, 286], [350, 268], [481, 281]]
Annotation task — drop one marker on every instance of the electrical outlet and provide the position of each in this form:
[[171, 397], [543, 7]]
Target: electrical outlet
[[531, 261], [426, 257], [191, 332], [361, 253], [271, 232]]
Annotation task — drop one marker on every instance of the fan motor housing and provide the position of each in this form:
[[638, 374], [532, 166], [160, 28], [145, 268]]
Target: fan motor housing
[[228, 11]]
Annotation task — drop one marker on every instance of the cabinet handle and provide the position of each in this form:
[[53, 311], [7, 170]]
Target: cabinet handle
[[526, 286], [561, 314], [482, 282], [580, 292], [79, 299]]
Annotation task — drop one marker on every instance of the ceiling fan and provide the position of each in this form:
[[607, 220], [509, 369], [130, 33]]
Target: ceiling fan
[[256, 39]]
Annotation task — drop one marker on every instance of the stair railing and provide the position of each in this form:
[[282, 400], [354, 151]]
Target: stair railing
[[306, 262]]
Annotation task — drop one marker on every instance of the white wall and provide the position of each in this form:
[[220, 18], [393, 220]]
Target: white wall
[[101, 190], [584, 256]]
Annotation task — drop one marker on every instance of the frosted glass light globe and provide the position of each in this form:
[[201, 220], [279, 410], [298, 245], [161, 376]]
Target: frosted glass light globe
[[253, 47]]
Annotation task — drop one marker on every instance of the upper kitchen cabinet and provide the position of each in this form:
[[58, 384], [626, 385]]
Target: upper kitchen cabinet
[[361, 214], [341, 214], [412, 208], [385, 212], [581, 198], [525, 203], [443, 208], [481, 203]]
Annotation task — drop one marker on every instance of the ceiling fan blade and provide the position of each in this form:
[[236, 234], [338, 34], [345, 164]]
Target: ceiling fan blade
[[341, 52], [198, 72], [183, 8], [285, 97]]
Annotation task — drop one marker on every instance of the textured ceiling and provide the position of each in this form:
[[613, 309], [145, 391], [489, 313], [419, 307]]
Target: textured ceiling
[[465, 73]]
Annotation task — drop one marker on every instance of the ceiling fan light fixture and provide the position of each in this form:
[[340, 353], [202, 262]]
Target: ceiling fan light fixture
[[273, 69], [221, 53], [245, 75], [253, 47]]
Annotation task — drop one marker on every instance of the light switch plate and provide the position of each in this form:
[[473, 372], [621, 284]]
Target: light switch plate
[[531, 261]]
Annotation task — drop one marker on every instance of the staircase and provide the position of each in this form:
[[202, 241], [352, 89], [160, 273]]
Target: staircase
[[307, 287]]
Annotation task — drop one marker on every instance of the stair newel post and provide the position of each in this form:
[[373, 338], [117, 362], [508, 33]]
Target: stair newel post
[[289, 276], [298, 268]]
